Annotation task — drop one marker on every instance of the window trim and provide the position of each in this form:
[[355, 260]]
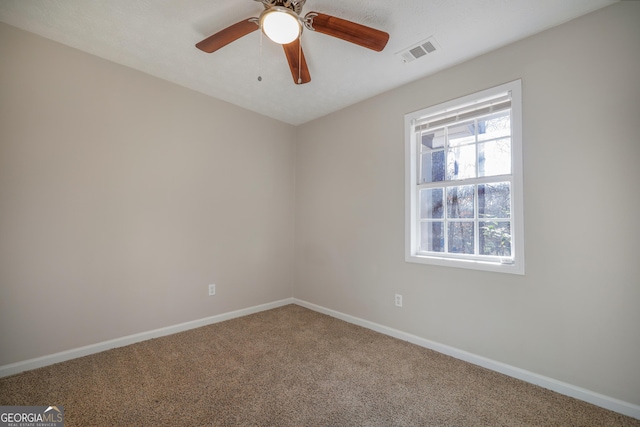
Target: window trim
[[411, 179]]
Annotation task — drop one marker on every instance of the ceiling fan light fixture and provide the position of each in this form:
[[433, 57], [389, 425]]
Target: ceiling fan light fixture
[[280, 24]]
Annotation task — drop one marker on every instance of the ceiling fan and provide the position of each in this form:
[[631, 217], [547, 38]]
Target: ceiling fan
[[281, 22]]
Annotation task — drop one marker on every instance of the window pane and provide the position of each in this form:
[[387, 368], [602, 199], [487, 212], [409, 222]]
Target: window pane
[[432, 167], [460, 201], [432, 203], [462, 133], [494, 158], [432, 236], [432, 139], [461, 237], [494, 126], [495, 238], [461, 162], [494, 200]]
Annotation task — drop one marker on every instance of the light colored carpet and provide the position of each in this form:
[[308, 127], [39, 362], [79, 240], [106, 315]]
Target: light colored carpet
[[290, 367]]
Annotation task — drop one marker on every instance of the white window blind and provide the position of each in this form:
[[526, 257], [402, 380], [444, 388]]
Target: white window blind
[[481, 108]]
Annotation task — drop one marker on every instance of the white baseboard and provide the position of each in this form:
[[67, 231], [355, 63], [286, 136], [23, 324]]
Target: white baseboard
[[39, 362], [566, 389]]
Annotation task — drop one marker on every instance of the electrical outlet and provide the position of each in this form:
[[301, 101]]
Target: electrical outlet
[[398, 300], [212, 290]]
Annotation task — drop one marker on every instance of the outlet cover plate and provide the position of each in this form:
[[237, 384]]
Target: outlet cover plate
[[398, 300]]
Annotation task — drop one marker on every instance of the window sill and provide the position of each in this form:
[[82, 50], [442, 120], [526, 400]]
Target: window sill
[[497, 267]]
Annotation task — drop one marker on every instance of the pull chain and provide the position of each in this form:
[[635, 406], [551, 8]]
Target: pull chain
[[260, 61], [299, 59]]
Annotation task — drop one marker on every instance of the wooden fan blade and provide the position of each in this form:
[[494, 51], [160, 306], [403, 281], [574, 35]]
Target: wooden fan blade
[[226, 36], [349, 31], [297, 62]]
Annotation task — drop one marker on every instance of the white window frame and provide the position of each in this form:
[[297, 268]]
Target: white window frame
[[514, 264]]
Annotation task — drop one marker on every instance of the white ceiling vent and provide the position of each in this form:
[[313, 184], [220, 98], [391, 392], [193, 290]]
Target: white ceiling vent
[[418, 50]]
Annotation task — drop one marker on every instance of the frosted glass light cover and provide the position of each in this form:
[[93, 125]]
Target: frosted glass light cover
[[280, 26]]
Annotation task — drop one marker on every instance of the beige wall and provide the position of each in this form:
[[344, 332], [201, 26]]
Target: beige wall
[[123, 196], [575, 315]]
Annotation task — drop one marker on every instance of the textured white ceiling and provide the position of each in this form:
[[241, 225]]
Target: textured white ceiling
[[158, 38]]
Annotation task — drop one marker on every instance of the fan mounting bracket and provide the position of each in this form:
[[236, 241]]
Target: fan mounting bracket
[[308, 20], [294, 5]]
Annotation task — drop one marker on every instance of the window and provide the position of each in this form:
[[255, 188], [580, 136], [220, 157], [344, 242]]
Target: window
[[464, 182]]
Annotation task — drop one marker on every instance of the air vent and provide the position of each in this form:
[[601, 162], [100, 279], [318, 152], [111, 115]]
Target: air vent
[[419, 50]]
